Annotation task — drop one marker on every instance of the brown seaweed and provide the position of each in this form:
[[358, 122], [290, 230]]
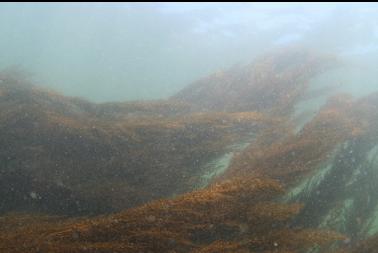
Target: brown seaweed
[[240, 214]]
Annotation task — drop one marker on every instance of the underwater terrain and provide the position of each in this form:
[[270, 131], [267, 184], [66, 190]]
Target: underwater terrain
[[261, 157]]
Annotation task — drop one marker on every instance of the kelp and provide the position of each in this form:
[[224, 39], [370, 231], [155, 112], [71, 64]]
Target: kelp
[[340, 140], [138, 162], [79, 157], [98, 158], [238, 215], [369, 245], [273, 83], [345, 197], [282, 154]]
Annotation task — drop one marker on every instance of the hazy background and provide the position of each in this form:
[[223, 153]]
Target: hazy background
[[124, 51]]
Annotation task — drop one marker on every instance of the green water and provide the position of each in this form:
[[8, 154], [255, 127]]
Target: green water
[[125, 51]]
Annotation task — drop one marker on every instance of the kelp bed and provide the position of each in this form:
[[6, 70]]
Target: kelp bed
[[126, 177]]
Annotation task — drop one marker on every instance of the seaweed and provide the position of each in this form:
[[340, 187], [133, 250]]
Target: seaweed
[[99, 158], [282, 154], [239, 214], [273, 83], [137, 164]]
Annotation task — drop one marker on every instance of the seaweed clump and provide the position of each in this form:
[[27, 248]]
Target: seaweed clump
[[238, 215], [104, 158], [273, 83], [66, 155], [70, 156], [330, 166], [282, 154]]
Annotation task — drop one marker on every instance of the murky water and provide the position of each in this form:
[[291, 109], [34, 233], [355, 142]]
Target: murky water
[[188, 127]]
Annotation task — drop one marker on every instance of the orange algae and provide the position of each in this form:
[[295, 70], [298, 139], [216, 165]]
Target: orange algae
[[151, 150], [240, 214]]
